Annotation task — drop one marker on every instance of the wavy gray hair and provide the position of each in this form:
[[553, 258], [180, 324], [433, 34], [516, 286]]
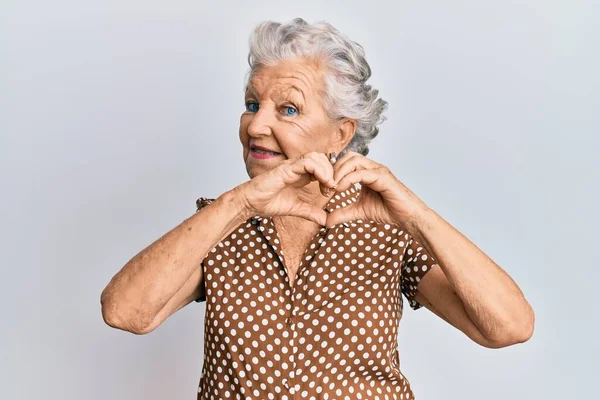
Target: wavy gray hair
[[346, 93]]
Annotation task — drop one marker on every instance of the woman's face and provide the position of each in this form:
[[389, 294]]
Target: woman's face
[[285, 114]]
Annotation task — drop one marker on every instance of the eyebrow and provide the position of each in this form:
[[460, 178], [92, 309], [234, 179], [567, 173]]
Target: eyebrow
[[251, 90], [299, 90]]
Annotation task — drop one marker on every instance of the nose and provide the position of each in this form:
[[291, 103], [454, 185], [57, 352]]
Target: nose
[[261, 123]]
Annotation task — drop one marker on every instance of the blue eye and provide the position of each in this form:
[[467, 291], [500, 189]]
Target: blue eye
[[290, 111], [252, 107]]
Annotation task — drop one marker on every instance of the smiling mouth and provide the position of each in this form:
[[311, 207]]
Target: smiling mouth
[[265, 152]]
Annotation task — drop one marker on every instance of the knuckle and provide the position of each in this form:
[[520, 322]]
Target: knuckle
[[313, 155], [308, 161]]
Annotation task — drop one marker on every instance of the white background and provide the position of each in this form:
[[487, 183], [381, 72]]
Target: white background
[[117, 115]]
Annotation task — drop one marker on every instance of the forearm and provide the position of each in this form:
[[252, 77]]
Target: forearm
[[146, 283], [491, 298]]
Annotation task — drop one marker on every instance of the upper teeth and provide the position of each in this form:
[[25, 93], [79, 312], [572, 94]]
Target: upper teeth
[[264, 151]]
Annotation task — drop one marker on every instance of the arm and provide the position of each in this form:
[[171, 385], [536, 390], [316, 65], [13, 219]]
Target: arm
[[167, 275], [469, 290]]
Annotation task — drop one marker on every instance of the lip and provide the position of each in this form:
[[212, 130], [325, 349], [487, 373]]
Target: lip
[[259, 156], [261, 148]]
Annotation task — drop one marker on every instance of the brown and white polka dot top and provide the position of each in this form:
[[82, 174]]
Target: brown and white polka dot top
[[332, 334]]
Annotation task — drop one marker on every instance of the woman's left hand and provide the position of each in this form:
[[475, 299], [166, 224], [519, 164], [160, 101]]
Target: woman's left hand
[[383, 198]]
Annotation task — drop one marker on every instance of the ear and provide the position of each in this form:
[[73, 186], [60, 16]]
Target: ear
[[346, 130]]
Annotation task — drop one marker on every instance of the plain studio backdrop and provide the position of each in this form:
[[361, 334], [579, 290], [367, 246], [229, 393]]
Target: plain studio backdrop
[[117, 115]]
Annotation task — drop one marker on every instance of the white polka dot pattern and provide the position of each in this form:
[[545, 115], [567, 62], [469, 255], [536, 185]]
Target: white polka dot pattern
[[332, 335]]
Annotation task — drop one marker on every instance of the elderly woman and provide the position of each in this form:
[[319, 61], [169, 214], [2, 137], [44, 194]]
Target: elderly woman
[[303, 266]]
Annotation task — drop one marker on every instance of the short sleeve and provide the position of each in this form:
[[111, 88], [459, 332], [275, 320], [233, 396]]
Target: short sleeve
[[203, 202], [200, 204], [200, 299], [415, 264]]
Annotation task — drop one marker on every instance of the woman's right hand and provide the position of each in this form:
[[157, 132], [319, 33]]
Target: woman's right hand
[[278, 191]]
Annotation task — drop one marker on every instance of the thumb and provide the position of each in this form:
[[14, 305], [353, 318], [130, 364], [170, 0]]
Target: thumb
[[309, 211], [343, 214]]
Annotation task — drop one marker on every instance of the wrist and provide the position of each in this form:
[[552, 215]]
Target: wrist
[[420, 219], [237, 201]]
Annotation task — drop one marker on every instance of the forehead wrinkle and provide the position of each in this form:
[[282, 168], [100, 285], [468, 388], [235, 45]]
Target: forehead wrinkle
[[280, 89], [307, 82], [249, 90], [304, 79], [310, 75], [288, 90], [252, 83], [313, 76]]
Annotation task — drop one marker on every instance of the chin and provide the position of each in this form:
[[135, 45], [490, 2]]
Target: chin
[[255, 170]]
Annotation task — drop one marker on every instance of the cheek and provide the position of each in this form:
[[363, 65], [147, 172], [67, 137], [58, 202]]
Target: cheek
[[315, 133], [297, 138], [244, 137], [243, 131]]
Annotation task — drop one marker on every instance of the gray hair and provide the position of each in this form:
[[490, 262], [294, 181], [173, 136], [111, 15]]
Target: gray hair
[[346, 93]]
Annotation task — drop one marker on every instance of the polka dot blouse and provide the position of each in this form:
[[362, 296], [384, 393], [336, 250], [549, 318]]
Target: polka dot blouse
[[332, 335]]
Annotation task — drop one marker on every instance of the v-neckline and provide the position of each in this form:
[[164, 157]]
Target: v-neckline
[[266, 226], [276, 244]]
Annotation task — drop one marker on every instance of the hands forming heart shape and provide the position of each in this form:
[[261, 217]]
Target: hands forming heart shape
[[383, 198]]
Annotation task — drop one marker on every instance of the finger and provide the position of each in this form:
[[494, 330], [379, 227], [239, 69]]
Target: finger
[[327, 168], [350, 164], [343, 159], [323, 162], [309, 165], [373, 178], [343, 214], [309, 211]]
